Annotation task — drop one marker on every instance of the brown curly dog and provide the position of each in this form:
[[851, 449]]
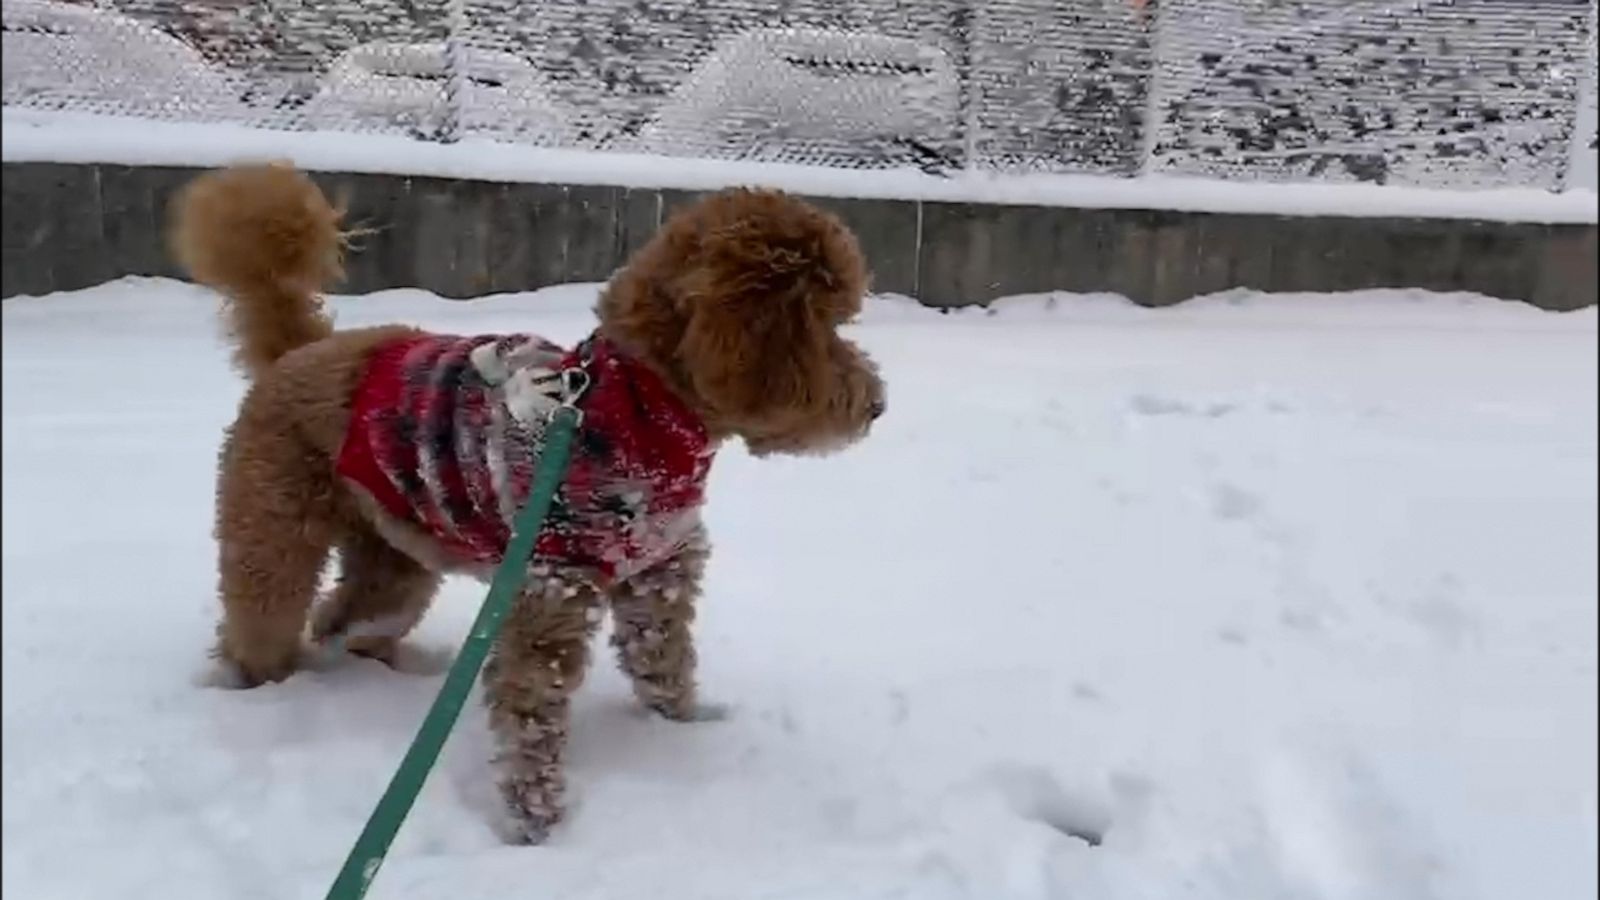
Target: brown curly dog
[[409, 452]]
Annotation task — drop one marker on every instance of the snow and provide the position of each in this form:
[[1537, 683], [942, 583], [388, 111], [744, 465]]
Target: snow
[[96, 59], [1583, 158], [41, 136], [383, 85], [1253, 598], [783, 87]]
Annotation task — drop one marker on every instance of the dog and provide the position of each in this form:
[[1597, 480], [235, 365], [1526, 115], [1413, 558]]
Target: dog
[[407, 452]]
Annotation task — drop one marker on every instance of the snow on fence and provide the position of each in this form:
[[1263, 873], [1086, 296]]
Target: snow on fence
[[1429, 93]]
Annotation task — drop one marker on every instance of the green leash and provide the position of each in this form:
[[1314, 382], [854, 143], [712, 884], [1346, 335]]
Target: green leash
[[365, 858]]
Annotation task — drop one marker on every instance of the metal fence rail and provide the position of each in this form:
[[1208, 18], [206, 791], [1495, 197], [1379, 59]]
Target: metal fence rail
[[1454, 93]]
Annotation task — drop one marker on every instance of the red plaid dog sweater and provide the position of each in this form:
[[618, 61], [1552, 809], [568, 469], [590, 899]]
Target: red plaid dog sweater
[[445, 432]]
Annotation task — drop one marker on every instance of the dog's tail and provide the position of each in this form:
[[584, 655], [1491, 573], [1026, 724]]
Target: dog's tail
[[269, 241]]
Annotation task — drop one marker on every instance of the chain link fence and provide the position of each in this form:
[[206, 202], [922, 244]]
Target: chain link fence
[[1457, 93]]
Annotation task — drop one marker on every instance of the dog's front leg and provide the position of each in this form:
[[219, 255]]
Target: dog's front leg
[[653, 618], [537, 664]]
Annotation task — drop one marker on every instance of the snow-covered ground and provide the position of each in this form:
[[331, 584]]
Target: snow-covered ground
[[1286, 598]]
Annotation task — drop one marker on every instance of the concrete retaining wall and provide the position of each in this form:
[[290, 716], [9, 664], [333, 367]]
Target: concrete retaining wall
[[73, 226]]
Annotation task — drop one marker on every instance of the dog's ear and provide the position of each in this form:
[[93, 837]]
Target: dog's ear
[[753, 348], [762, 281]]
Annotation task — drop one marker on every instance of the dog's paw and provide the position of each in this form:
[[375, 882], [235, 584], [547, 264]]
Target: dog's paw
[[533, 801], [227, 674], [698, 711], [525, 826], [518, 832], [222, 674], [323, 656], [400, 656]]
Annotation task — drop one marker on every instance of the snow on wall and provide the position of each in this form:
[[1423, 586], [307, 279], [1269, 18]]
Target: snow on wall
[[37, 136], [1428, 93]]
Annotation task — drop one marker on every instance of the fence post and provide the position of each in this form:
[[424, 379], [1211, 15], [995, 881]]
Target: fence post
[[1149, 15], [456, 70], [962, 20], [1582, 157]]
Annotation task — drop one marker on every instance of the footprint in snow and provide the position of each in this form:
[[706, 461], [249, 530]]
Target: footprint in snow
[[1152, 405], [1231, 503], [1034, 793], [1155, 405], [1083, 690]]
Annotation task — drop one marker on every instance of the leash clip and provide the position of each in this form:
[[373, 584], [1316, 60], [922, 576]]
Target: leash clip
[[574, 383]]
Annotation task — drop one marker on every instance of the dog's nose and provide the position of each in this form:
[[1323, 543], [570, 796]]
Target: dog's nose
[[877, 409]]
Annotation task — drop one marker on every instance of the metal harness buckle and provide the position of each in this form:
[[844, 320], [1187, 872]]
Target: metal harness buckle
[[575, 382]]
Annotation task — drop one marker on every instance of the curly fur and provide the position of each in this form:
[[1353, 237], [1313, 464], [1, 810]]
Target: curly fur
[[267, 239], [736, 303]]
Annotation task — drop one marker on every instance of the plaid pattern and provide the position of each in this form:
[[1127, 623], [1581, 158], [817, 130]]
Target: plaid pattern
[[445, 432]]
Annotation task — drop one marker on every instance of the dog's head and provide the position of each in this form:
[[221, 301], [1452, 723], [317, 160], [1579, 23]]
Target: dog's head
[[738, 301]]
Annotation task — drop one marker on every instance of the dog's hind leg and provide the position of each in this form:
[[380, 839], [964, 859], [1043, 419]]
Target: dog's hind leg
[[538, 663], [381, 595], [652, 633], [274, 528]]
